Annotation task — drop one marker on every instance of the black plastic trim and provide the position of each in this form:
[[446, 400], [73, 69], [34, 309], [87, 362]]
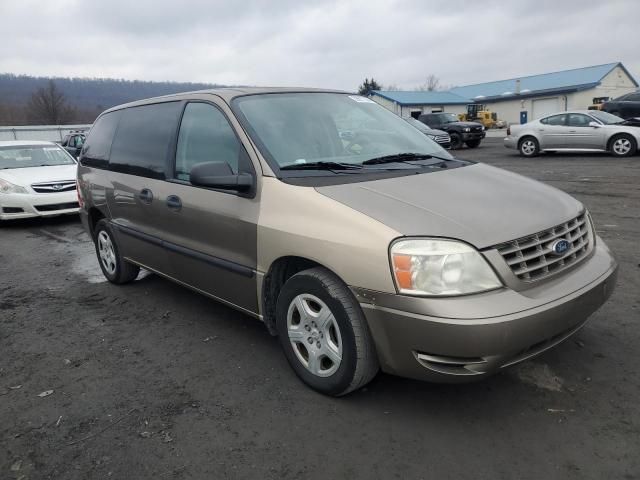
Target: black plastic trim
[[188, 252]]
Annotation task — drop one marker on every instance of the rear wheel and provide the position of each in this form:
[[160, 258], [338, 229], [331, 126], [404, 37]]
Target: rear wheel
[[529, 147], [473, 143], [114, 267], [622, 145], [324, 334], [456, 141]]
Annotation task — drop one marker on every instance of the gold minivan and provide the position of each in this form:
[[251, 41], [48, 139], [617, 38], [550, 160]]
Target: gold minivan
[[357, 240]]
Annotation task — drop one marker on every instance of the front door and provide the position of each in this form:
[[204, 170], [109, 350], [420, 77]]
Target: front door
[[211, 235], [580, 135]]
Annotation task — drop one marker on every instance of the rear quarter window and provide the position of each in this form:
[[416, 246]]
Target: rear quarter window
[[95, 152], [142, 141]]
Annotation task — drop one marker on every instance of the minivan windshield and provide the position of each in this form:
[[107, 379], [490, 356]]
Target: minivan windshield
[[33, 156], [329, 129]]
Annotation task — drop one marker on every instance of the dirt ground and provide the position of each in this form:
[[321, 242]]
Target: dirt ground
[[152, 381]]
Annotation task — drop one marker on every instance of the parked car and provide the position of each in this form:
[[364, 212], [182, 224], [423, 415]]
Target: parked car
[[441, 137], [626, 106], [461, 133], [378, 250], [37, 179], [575, 130], [73, 141]]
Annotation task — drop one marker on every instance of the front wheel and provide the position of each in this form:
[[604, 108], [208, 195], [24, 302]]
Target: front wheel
[[529, 147], [114, 267], [622, 146], [324, 334], [456, 141], [473, 143]]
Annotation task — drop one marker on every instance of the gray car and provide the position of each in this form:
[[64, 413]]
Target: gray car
[[582, 130], [375, 250]]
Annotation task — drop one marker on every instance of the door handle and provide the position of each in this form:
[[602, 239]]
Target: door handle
[[174, 203], [146, 195]]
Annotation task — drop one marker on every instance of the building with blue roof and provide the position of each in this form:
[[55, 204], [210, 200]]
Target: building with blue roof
[[520, 99]]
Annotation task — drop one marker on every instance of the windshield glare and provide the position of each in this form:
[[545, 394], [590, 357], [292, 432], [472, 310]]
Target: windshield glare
[[606, 118], [448, 117], [33, 156], [299, 128]]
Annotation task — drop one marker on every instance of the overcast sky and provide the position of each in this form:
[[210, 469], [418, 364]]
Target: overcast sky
[[315, 43]]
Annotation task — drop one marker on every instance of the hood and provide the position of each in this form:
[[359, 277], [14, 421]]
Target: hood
[[479, 204], [434, 131], [26, 176]]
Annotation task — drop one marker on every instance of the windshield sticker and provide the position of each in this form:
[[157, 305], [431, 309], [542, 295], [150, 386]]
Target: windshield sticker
[[360, 99]]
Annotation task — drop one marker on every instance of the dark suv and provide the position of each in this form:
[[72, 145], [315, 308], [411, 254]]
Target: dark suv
[[626, 106], [73, 142], [469, 133]]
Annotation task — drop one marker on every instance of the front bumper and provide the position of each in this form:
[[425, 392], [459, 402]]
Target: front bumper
[[459, 339], [28, 205], [466, 136]]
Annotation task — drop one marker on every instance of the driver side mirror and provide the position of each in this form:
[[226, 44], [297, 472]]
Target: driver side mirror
[[219, 175], [594, 124]]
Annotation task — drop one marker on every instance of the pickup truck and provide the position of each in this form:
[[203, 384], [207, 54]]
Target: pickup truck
[[461, 133]]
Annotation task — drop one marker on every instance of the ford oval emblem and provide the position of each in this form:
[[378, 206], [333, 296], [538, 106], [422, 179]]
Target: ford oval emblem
[[560, 247]]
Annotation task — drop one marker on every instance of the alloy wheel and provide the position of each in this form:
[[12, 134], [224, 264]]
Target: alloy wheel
[[621, 146], [528, 147], [107, 253]]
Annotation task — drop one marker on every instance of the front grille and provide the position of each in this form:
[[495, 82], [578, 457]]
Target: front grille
[[476, 129], [532, 258], [442, 139], [54, 187], [57, 206]]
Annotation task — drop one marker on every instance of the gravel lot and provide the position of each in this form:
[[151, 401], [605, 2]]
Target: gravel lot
[[151, 380]]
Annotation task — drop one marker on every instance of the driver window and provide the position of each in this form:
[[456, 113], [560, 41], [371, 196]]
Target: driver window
[[205, 136], [578, 120]]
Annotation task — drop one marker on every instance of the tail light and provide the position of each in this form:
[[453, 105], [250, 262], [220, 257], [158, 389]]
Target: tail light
[[79, 192]]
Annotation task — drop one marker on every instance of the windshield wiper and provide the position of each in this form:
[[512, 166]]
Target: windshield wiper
[[321, 166], [405, 158]]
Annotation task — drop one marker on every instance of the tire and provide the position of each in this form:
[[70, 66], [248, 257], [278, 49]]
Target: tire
[[473, 143], [333, 357], [456, 141], [529, 147], [114, 267], [622, 145]]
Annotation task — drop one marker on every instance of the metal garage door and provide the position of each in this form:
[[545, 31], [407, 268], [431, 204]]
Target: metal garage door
[[545, 106]]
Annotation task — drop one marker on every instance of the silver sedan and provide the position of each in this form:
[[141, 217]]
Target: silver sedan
[[586, 130]]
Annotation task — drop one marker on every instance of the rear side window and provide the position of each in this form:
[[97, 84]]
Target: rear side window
[[95, 152], [554, 120], [205, 136], [141, 145]]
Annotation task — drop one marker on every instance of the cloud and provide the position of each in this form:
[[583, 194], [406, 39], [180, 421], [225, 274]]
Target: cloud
[[315, 43]]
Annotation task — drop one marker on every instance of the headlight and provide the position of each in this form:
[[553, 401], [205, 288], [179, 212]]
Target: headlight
[[440, 267], [466, 129], [482, 128], [8, 187]]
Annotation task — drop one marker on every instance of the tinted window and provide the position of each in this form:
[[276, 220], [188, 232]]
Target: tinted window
[[95, 152], [635, 97], [554, 120], [205, 136], [142, 141], [578, 120]]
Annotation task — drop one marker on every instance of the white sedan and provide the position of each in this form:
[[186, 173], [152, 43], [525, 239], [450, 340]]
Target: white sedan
[[37, 179]]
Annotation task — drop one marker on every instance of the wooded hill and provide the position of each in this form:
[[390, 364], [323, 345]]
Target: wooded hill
[[86, 97]]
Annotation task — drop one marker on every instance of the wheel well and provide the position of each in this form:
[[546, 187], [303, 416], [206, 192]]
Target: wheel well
[[618, 135], [279, 272], [525, 138], [95, 216]]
